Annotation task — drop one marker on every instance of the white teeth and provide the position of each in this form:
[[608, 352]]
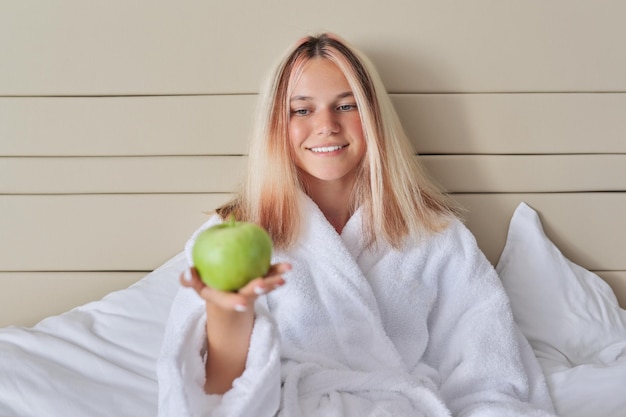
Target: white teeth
[[326, 149]]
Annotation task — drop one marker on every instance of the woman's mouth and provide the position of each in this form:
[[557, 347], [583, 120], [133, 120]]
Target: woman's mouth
[[327, 149]]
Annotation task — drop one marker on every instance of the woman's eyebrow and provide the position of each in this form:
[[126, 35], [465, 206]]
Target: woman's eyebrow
[[309, 98], [301, 98]]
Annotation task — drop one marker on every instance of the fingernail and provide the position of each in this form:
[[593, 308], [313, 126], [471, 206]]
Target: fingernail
[[187, 275], [259, 290], [240, 308]]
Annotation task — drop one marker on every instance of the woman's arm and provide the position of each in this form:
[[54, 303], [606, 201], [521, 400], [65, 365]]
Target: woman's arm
[[228, 334], [230, 319]]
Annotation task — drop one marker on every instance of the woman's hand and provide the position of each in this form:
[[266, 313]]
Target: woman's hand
[[244, 298], [230, 318]]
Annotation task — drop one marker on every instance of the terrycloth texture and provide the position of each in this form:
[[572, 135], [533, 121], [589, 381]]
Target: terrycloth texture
[[426, 331]]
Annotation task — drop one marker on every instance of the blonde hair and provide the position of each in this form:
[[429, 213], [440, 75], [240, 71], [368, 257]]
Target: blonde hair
[[392, 188]]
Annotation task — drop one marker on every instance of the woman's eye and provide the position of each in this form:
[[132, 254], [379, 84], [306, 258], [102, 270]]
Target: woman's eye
[[300, 112], [346, 107]]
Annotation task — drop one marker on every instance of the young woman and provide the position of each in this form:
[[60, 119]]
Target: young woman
[[379, 302]]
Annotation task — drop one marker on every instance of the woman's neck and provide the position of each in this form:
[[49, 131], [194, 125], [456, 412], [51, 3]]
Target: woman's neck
[[333, 199]]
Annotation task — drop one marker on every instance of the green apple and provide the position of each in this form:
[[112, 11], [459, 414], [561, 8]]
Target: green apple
[[229, 255]]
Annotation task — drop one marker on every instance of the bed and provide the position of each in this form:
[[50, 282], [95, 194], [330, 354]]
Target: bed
[[111, 157]]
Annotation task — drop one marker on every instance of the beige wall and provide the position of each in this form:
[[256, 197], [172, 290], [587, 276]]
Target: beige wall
[[121, 122]]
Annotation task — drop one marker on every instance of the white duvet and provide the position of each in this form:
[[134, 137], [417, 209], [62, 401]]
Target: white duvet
[[95, 360]]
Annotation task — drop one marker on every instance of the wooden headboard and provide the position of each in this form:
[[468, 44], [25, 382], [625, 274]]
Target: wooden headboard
[[121, 123]]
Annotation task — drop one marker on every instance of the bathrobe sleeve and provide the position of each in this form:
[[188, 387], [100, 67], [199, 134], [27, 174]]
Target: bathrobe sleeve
[[181, 371], [486, 366], [181, 375]]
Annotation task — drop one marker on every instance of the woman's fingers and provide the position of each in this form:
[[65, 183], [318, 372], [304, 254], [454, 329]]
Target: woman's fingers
[[261, 286], [272, 280], [278, 269], [225, 300], [243, 299], [190, 278]]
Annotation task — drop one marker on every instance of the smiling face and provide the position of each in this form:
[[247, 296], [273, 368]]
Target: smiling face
[[325, 128]]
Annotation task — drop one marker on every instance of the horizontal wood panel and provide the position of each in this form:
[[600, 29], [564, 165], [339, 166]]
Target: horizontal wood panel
[[587, 227], [202, 174], [71, 126], [98, 232], [220, 125], [156, 174], [514, 123], [138, 232], [120, 47], [28, 297], [528, 173]]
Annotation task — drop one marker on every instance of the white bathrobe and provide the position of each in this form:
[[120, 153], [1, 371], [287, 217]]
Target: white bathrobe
[[358, 331]]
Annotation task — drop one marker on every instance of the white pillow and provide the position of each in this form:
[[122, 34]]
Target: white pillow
[[571, 318]]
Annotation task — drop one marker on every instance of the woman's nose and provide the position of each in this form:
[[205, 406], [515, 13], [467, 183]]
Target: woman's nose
[[327, 123]]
